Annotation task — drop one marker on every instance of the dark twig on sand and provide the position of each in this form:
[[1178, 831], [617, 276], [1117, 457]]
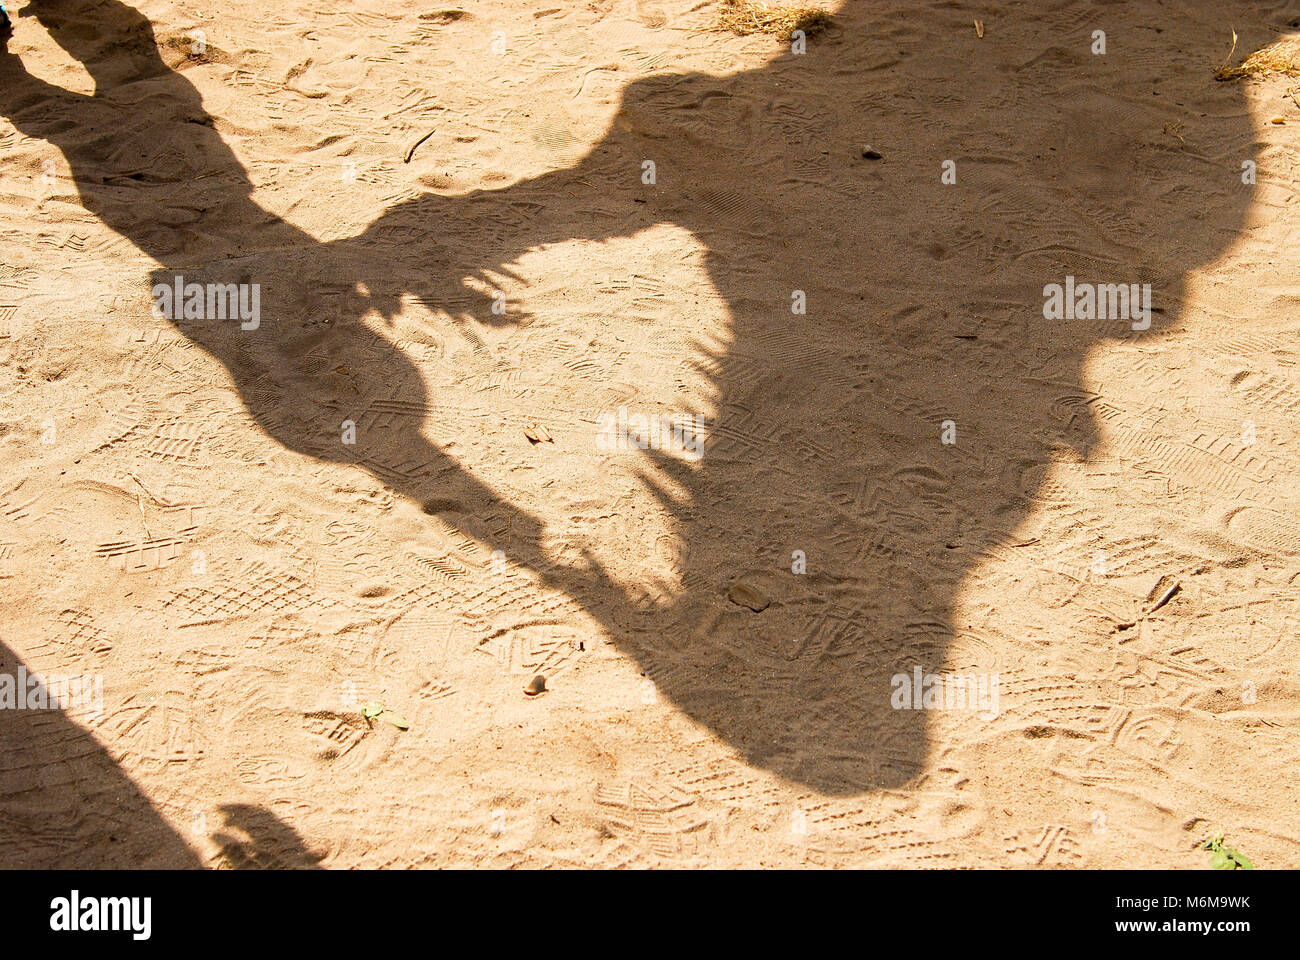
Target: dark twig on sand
[[410, 153]]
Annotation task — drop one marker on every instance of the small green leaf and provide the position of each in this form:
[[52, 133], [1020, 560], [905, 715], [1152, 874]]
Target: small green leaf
[[372, 710], [1221, 861], [399, 722]]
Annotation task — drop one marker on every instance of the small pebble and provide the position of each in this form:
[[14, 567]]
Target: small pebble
[[748, 596], [535, 686], [870, 153]]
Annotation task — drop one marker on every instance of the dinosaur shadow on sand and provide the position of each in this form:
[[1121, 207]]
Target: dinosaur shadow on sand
[[930, 294]]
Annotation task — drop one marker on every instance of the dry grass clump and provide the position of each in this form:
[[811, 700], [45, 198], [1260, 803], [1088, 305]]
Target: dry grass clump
[[753, 16], [1282, 57]]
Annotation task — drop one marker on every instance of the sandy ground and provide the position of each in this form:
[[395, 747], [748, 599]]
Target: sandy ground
[[185, 515]]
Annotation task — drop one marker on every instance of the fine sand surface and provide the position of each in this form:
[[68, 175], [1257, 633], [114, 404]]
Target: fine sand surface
[[181, 517]]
